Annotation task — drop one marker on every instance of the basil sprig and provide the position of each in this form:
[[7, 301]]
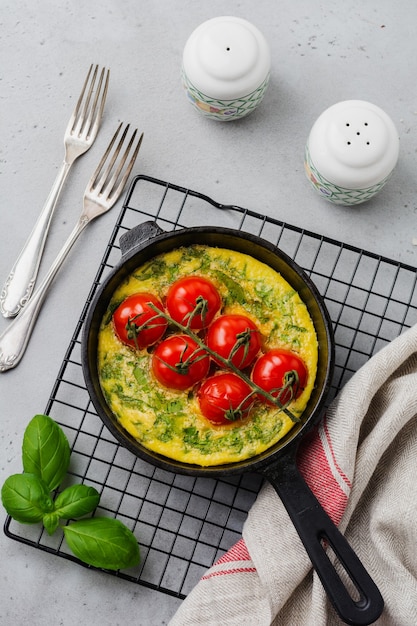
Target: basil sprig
[[99, 541]]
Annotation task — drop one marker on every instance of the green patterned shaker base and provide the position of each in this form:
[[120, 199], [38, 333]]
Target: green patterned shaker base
[[224, 110], [334, 193]]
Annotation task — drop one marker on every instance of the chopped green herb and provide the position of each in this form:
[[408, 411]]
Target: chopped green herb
[[153, 269], [163, 428], [236, 293]]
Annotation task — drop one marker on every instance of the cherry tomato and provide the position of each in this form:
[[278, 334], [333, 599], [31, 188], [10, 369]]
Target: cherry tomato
[[234, 337], [179, 363], [281, 373], [225, 398], [193, 301], [136, 323]]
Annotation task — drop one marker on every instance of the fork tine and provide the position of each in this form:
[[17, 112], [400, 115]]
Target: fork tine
[[75, 113], [100, 184], [97, 113], [86, 110], [104, 181], [116, 192], [81, 114], [93, 184], [113, 180]]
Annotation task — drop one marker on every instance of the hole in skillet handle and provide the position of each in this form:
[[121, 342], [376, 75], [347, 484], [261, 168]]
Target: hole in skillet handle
[[316, 530]]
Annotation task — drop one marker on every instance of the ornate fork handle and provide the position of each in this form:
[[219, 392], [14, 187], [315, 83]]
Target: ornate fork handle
[[20, 282], [14, 339]]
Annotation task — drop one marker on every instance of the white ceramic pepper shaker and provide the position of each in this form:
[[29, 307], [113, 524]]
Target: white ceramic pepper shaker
[[225, 69], [351, 152]]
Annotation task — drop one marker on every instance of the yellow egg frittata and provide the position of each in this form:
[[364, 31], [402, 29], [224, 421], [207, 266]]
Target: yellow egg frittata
[[169, 422]]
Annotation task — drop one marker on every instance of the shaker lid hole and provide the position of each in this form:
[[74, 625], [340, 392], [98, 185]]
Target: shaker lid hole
[[354, 145]]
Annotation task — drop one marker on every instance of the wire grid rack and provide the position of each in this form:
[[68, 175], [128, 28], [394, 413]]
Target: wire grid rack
[[183, 524]]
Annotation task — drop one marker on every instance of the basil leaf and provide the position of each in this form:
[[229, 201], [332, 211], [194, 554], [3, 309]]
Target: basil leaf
[[76, 501], [140, 375], [51, 522], [103, 542], [236, 291], [45, 450], [26, 498]]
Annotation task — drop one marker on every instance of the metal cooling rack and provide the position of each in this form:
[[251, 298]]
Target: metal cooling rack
[[183, 524]]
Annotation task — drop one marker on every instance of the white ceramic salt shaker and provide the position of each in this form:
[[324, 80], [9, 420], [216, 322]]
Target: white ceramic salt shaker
[[225, 68], [351, 152]]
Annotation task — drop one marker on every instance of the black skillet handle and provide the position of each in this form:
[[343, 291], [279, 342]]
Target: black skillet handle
[[315, 527], [137, 235]]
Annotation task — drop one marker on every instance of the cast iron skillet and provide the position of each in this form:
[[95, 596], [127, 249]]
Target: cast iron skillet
[[278, 463]]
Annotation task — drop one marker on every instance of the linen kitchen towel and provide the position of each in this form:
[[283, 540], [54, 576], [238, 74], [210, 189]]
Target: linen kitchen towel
[[361, 463]]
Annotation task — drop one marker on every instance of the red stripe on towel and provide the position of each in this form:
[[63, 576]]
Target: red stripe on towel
[[235, 570], [329, 441], [317, 473], [238, 552]]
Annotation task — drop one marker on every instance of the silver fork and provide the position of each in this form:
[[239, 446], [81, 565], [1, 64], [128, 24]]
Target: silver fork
[[102, 191], [79, 136]]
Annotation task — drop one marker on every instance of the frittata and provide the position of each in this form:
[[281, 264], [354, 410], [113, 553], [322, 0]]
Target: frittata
[[169, 422]]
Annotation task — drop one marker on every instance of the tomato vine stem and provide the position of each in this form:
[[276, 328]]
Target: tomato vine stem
[[184, 364], [201, 308], [133, 330], [227, 363]]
